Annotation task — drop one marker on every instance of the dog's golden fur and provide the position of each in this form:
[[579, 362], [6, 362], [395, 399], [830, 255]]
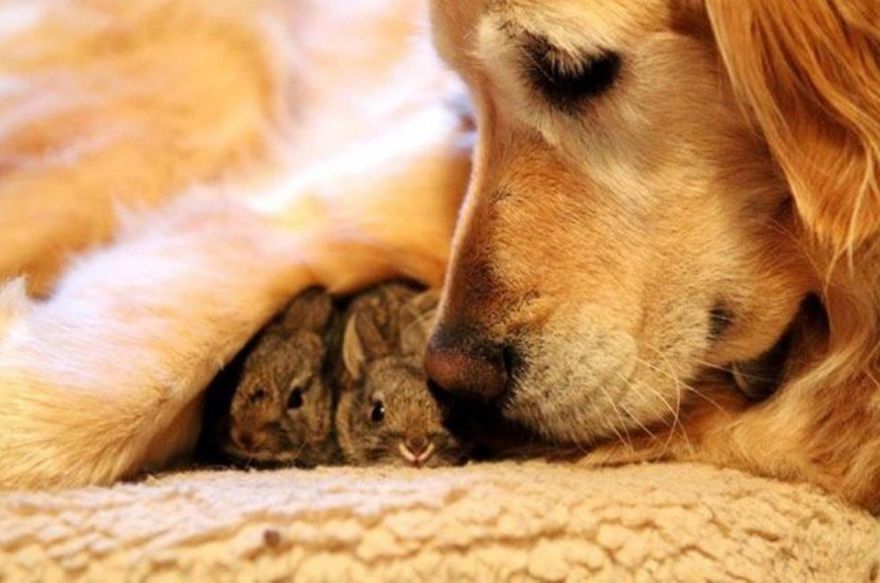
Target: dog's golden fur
[[171, 171], [733, 163], [96, 114], [226, 154], [810, 79]]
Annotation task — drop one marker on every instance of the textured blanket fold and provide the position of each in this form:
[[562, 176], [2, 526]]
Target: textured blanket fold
[[507, 521]]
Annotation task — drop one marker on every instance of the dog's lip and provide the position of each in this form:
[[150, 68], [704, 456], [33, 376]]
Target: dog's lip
[[484, 423]]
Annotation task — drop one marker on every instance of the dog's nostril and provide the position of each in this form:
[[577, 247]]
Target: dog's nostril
[[458, 365]]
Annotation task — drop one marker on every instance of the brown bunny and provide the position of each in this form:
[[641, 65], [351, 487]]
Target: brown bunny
[[282, 409], [386, 414]]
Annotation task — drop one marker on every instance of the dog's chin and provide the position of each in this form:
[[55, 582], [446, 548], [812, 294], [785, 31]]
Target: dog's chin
[[579, 402], [650, 397], [580, 418]]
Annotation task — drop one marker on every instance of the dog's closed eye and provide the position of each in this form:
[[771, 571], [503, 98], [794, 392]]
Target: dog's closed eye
[[566, 80]]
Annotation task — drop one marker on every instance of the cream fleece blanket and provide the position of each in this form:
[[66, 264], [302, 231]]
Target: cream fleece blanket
[[506, 521]]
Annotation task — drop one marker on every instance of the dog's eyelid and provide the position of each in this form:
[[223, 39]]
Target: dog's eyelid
[[567, 60], [567, 77]]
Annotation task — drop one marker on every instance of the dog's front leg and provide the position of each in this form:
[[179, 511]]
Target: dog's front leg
[[828, 438], [104, 376]]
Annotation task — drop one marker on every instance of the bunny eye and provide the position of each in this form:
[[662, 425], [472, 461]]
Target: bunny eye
[[377, 415], [295, 400]]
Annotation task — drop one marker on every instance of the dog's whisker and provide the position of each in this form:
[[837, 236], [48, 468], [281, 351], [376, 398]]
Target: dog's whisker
[[731, 370], [686, 386], [680, 387], [674, 411], [638, 422], [628, 439]]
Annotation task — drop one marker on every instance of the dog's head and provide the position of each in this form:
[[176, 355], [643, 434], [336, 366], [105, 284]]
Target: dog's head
[[648, 183]]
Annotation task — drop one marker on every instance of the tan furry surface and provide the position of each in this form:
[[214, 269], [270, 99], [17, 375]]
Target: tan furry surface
[[482, 522]]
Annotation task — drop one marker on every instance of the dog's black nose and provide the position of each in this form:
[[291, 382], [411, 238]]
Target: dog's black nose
[[460, 362]]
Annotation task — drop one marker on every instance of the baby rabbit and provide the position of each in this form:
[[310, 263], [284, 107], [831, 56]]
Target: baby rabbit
[[282, 409], [386, 414]]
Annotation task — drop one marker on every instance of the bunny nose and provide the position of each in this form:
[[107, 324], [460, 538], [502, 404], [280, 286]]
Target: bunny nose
[[460, 362]]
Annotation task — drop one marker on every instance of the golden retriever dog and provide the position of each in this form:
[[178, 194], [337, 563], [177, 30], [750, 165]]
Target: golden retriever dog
[[171, 172], [666, 197], [663, 192]]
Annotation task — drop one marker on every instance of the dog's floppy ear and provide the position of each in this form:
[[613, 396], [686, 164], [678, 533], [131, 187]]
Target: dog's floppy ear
[[808, 71]]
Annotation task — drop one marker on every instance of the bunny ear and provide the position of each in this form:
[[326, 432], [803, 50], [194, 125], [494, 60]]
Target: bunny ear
[[416, 321], [423, 302], [310, 311], [361, 343], [266, 348], [353, 355]]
